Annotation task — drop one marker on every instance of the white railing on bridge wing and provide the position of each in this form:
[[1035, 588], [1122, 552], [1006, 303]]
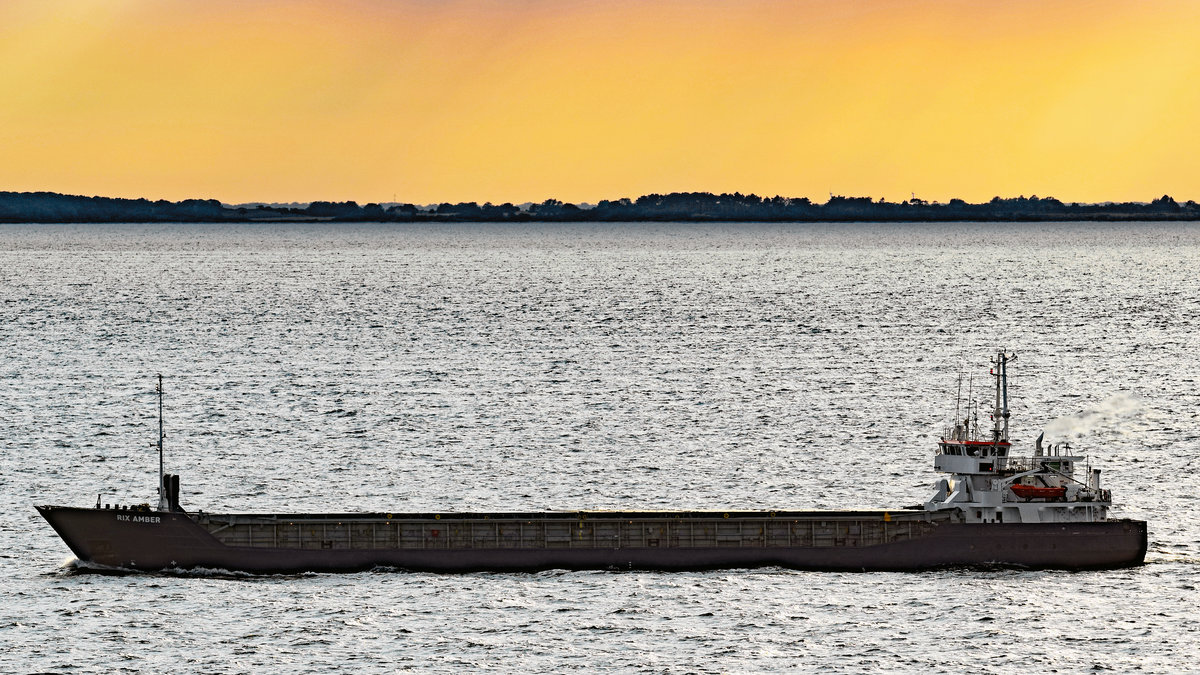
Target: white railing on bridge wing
[[1056, 462]]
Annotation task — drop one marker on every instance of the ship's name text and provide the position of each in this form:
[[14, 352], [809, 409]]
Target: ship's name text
[[138, 519]]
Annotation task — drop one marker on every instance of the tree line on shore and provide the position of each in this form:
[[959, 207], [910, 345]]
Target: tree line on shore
[[49, 207]]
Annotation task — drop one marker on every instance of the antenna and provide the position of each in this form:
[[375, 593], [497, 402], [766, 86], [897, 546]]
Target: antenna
[[1000, 412], [1005, 359], [162, 496], [958, 406], [997, 373], [972, 406]]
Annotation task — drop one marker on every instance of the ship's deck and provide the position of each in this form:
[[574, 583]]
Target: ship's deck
[[904, 513], [569, 529]]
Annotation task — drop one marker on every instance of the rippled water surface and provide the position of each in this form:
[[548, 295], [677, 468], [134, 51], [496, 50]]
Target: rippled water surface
[[527, 367]]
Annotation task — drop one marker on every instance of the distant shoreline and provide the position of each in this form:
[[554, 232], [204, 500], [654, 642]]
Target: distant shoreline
[[691, 207]]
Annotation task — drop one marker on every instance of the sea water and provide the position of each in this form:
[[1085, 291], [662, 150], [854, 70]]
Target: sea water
[[389, 367]]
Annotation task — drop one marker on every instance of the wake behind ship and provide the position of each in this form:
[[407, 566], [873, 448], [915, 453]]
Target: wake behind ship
[[993, 508]]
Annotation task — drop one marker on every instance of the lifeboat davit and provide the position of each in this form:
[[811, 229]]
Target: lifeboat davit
[[1034, 492]]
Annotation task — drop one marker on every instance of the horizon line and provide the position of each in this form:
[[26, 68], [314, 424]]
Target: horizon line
[[587, 205]]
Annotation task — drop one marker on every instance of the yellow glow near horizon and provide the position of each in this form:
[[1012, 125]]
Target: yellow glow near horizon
[[516, 101]]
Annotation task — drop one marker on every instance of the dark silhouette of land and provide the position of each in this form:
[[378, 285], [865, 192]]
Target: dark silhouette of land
[[49, 207]]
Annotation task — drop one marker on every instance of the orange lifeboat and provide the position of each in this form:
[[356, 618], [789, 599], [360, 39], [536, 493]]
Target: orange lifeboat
[[1034, 492]]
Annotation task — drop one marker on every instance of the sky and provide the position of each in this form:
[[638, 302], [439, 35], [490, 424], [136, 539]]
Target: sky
[[429, 101]]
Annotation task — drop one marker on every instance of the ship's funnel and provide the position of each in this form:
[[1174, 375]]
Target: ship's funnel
[[170, 490]]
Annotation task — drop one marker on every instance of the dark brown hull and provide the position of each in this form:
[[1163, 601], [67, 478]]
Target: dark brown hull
[[843, 541]]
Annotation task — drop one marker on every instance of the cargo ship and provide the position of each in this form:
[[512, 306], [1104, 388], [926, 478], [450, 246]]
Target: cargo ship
[[992, 508]]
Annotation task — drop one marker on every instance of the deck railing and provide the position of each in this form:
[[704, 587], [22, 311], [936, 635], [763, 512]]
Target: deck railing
[[1062, 463]]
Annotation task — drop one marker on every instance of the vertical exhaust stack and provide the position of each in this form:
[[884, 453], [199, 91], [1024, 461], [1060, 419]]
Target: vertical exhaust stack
[[170, 488]]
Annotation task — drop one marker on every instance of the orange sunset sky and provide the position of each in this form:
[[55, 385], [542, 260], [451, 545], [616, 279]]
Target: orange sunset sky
[[431, 101]]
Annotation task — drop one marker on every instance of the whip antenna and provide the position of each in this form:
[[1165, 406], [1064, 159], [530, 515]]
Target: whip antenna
[[162, 495]]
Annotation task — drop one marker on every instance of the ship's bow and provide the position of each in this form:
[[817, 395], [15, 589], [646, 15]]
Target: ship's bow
[[129, 538]]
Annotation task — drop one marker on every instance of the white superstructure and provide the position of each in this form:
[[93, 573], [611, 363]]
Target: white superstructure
[[988, 483]]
